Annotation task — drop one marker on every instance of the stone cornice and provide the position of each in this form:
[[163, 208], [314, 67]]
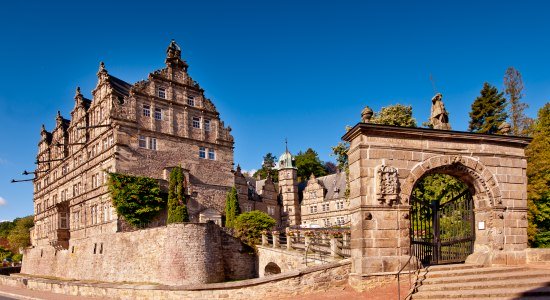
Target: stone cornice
[[369, 129]]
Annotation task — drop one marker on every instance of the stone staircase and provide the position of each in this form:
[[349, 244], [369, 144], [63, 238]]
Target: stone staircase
[[464, 281]]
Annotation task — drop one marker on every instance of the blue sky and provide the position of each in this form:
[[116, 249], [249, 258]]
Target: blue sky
[[301, 70]]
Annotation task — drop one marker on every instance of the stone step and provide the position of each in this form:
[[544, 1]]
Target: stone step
[[529, 283], [485, 277], [451, 267], [471, 271], [498, 293]]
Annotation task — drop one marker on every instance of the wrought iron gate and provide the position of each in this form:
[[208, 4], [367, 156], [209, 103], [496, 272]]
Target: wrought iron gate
[[442, 232]]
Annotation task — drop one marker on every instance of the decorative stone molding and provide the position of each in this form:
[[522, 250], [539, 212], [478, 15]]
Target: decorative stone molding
[[387, 185]]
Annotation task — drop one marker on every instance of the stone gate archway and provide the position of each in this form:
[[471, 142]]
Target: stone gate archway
[[387, 161]]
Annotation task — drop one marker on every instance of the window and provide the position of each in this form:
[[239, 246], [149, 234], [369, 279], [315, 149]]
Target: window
[[340, 220], [202, 152], [153, 143], [326, 207], [327, 222], [142, 141], [162, 93], [158, 114], [247, 208], [111, 140], [211, 154], [196, 122], [147, 110], [340, 205], [191, 100], [313, 209], [271, 210], [207, 125]]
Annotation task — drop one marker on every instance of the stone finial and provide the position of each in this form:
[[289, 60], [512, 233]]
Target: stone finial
[[504, 128], [173, 57], [439, 118], [77, 94], [238, 169], [173, 50], [312, 176], [366, 114], [43, 129]]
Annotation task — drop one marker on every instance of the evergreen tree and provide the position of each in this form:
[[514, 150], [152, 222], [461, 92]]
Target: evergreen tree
[[514, 86], [232, 208], [488, 111], [309, 163], [177, 203], [538, 175], [268, 167]]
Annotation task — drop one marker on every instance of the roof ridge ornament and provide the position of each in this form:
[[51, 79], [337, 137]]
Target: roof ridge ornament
[[173, 57]]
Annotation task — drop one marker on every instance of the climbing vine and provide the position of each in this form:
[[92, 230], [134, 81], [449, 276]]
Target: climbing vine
[[138, 199]]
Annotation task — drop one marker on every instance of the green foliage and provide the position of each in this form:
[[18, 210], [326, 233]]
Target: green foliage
[[19, 236], [177, 202], [249, 226], [232, 208], [340, 151], [438, 187], [17, 257], [309, 163], [538, 175], [135, 198], [6, 227], [488, 111], [396, 115], [268, 167], [5, 254], [513, 83]]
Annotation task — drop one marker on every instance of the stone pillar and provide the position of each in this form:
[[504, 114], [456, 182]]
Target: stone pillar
[[334, 247], [275, 239], [264, 239], [288, 239], [307, 240]]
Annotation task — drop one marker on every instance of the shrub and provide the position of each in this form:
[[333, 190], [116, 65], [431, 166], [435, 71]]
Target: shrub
[[249, 226], [135, 198], [232, 208], [177, 203]]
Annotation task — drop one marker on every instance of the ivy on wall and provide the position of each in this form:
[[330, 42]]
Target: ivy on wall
[[138, 199]]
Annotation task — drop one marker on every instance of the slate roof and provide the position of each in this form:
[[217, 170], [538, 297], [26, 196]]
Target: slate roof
[[120, 86], [335, 185]]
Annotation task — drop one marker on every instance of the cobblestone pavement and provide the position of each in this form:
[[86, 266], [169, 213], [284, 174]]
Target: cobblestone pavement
[[385, 292]]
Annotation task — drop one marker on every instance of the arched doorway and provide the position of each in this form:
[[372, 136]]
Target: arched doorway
[[442, 219]]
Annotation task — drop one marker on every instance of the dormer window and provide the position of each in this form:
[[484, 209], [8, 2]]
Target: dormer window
[[162, 93], [191, 100], [207, 125]]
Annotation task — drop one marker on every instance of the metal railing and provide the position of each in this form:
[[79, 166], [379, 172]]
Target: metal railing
[[398, 275]]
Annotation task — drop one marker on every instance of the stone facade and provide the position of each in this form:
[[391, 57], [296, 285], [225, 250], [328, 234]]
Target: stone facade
[[142, 129], [387, 161], [324, 202], [259, 195], [190, 253]]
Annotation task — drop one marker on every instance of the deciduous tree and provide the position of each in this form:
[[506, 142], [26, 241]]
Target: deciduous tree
[[538, 174], [396, 115], [513, 84], [309, 163], [19, 236]]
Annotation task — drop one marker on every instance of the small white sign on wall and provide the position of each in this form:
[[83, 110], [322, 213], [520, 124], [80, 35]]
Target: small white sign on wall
[[481, 225]]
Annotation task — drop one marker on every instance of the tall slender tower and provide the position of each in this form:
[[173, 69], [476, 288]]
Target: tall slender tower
[[288, 187]]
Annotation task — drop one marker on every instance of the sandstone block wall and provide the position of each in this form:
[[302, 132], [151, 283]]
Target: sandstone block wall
[[174, 254]]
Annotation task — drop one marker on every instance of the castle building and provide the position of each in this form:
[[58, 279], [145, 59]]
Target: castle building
[[141, 129], [324, 202]]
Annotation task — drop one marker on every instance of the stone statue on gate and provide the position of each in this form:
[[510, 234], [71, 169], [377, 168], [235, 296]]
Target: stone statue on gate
[[439, 117]]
